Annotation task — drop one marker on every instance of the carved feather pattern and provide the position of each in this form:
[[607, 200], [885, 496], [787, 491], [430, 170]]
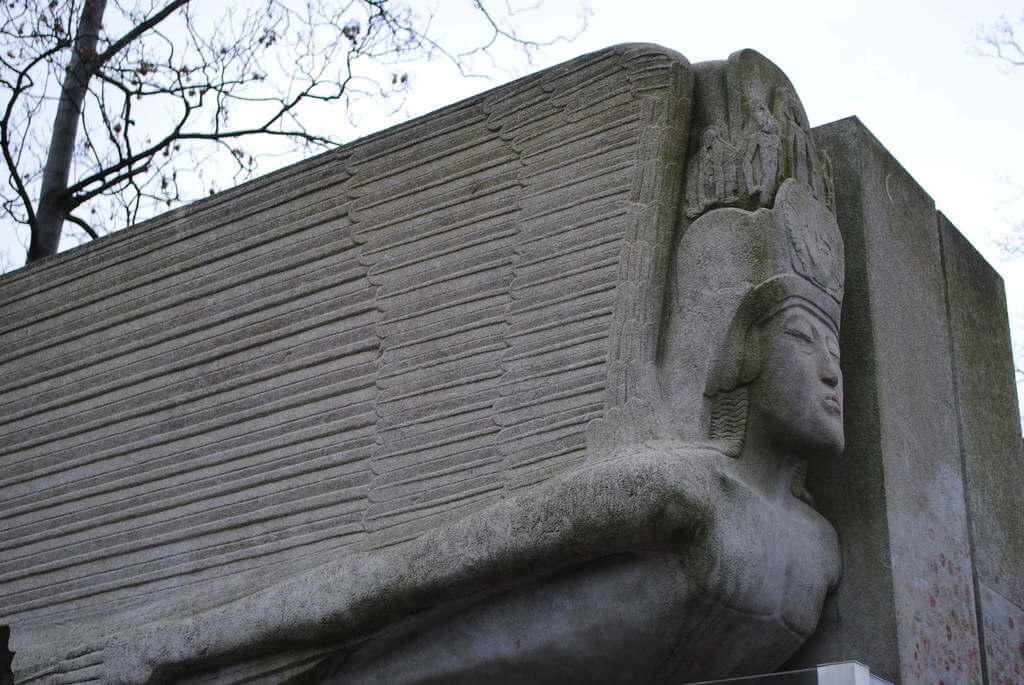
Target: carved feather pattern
[[185, 402], [338, 356]]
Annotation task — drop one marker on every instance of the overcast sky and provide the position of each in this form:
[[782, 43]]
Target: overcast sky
[[905, 68]]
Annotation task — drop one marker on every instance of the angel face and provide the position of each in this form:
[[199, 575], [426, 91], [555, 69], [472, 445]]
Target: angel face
[[797, 397]]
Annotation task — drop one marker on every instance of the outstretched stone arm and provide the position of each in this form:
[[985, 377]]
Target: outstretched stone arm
[[648, 501]]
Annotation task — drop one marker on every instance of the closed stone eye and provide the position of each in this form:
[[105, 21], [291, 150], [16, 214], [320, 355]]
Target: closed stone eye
[[800, 334]]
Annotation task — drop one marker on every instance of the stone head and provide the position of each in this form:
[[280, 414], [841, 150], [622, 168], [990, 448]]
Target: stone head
[[753, 336], [788, 392]]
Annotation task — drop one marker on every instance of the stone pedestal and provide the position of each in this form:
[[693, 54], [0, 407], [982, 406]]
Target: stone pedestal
[[844, 673]]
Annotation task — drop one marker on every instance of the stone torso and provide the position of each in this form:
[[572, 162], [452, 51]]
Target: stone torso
[[741, 586], [756, 578]]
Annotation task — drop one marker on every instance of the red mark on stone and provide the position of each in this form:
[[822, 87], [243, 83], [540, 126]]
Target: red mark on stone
[[1009, 619], [931, 600]]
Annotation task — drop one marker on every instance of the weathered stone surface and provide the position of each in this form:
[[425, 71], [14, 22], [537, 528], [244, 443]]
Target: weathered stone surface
[[349, 405], [526, 388], [986, 400], [897, 498], [336, 357], [349, 336]]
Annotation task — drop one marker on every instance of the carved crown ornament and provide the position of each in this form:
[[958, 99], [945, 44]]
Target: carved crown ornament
[[744, 168]]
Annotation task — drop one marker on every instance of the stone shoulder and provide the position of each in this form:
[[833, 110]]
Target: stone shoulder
[[670, 484]]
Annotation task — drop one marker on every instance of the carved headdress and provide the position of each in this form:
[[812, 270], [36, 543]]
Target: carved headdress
[[757, 230]]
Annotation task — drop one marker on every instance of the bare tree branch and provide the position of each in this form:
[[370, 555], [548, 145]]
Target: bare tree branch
[[150, 99], [999, 41], [108, 183], [138, 30], [22, 83], [85, 226]]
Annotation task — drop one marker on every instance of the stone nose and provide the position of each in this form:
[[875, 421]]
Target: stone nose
[[829, 369]]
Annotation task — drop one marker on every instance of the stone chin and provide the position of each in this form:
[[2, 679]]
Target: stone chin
[[828, 443]]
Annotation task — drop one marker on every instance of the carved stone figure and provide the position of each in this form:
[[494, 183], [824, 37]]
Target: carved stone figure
[[668, 561], [761, 158], [690, 551]]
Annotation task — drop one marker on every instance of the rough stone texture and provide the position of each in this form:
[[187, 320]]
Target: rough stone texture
[[428, 386], [370, 434], [989, 430], [336, 357], [897, 499]]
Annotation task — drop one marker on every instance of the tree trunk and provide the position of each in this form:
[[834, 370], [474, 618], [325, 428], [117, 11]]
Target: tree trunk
[[52, 200]]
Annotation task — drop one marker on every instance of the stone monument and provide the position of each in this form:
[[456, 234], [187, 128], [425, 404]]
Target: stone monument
[[544, 386]]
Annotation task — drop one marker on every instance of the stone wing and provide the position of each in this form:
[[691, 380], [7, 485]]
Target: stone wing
[[341, 355]]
